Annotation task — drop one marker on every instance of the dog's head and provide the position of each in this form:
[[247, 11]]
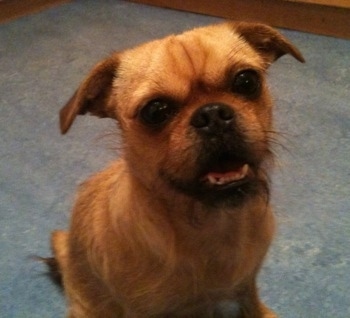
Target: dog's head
[[194, 108]]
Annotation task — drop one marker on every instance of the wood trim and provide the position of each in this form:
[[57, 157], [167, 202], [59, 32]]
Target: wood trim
[[308, 17], [11, 9], [331, 3]]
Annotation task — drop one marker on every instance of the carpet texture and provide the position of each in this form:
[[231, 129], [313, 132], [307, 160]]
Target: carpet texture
[[44, 57]]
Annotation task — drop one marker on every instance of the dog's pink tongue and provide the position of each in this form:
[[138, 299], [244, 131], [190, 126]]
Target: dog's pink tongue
[[220, 178]]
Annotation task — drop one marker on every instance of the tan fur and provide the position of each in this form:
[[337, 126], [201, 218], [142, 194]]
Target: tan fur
[[132, 249]]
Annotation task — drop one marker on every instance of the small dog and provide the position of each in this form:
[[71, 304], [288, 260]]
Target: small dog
[[180, 224]]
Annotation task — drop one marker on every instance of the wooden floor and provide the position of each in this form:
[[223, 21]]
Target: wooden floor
[[327, 17]]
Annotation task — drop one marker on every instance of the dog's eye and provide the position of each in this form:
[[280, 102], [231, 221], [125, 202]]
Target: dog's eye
[[247, 83], [157, 112]]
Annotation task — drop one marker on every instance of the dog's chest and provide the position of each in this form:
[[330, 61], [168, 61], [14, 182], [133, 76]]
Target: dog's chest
[[207, 270]]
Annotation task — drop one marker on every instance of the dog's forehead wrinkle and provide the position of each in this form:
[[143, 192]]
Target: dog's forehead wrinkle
[[194, 57], [173, 67]]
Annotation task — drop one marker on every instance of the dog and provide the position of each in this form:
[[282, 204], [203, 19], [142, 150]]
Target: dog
[[179, 225]]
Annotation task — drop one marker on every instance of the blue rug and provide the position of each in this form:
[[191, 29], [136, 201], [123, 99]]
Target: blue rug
[[44, 57]]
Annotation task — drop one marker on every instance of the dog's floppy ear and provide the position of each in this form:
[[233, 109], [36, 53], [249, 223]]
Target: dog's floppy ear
[[267, 41], [93, 94]]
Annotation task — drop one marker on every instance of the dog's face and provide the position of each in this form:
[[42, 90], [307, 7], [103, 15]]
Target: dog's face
[[194, 109]]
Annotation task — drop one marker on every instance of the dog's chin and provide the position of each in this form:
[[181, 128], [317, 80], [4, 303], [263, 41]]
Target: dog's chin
[[230, 182]]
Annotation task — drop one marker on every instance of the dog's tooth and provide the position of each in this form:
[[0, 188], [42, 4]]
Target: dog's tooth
[[231, 178], [245, 169], [212, 179], [222, 180], [219, 181], [239, 177]]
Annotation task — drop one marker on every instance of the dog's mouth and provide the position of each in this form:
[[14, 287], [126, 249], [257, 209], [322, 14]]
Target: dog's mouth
[[226, 176]]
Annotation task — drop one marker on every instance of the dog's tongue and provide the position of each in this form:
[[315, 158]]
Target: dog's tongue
[[221, 178]]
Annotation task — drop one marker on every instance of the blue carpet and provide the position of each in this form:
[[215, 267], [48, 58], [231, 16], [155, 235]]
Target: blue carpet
[[44, 57]]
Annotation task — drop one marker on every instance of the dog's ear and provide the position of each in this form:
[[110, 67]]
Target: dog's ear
[[93, 94], [267, 41]]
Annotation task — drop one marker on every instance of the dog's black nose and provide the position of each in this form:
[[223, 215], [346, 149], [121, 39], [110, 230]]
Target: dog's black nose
[[213, 118]]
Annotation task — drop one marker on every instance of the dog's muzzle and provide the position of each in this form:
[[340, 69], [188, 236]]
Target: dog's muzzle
[[227, 168]]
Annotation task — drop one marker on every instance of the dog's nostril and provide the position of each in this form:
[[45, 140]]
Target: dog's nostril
[[225, 113], [212, 117], [200, 120]]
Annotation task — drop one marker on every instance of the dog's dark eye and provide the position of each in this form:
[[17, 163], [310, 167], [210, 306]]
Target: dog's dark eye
[[157, 111], [247, 83]]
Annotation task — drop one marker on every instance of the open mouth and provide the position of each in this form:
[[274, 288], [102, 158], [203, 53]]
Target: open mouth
[[224, 179], [227, 177]]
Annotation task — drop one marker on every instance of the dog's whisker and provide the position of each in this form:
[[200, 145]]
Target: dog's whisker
[[111, 139]]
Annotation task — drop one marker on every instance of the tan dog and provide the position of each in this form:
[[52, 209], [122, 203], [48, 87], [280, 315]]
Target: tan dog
[[180, 224]]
